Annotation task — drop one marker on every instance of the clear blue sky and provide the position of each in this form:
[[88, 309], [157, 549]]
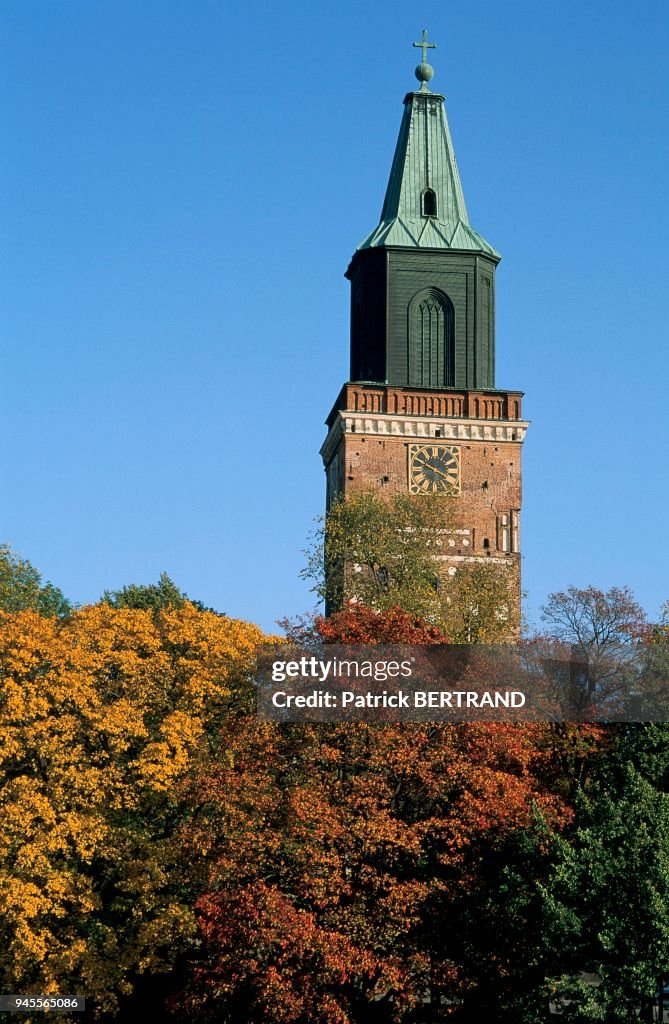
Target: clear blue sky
[[182, 187]]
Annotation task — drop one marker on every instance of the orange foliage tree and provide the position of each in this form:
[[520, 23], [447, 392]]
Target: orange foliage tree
[[103, 715], [328, 848]]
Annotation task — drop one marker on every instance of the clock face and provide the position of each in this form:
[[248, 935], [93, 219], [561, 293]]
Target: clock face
[[434, 469]]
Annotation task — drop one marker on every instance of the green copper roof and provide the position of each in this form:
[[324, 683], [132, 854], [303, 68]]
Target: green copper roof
[[424, 159]]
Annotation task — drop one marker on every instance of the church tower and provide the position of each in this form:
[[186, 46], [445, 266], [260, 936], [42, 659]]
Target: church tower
[[421, 412]]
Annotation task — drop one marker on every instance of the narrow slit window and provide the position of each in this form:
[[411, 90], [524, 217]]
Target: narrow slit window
[[429, 203]]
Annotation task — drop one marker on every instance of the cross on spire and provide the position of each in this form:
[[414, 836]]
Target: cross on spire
[[424, 45]]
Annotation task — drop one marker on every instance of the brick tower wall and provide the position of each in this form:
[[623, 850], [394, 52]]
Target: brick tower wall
[[372, 431]]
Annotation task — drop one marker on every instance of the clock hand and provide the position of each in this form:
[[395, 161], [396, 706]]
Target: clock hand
[[439, 471]]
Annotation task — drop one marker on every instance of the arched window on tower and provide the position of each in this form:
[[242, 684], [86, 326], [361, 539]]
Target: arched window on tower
[[429, 203], [431, 340]]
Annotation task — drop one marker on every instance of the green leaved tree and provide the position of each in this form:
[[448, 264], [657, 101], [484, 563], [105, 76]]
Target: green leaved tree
[[385, 554], [22, 587], [607, 902], [153, 597]]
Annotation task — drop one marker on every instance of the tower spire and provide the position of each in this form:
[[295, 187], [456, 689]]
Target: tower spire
[[424, 206]]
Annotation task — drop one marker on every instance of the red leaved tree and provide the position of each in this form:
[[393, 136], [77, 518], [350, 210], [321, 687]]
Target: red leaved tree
[[327, 848], [357, 624]]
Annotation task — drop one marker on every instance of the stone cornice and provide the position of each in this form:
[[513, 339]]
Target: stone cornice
[[451, 429]]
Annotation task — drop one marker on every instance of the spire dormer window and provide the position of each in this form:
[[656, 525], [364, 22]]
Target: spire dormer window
[[429, 203]]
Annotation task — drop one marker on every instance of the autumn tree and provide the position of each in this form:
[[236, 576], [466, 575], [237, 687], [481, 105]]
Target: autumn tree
[[328, 848], [356, 624], [602, 629], [593, 620], [22, 586], [320, 914], [658, 632], [103, 717]]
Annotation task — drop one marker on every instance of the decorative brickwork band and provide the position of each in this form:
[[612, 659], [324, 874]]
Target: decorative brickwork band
[[394, 401], [404, 426]]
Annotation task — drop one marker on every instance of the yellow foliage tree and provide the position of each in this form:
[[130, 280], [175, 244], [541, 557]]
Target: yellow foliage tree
[[102, 717]]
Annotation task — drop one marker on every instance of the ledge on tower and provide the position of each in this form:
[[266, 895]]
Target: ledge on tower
[[386, 399]]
